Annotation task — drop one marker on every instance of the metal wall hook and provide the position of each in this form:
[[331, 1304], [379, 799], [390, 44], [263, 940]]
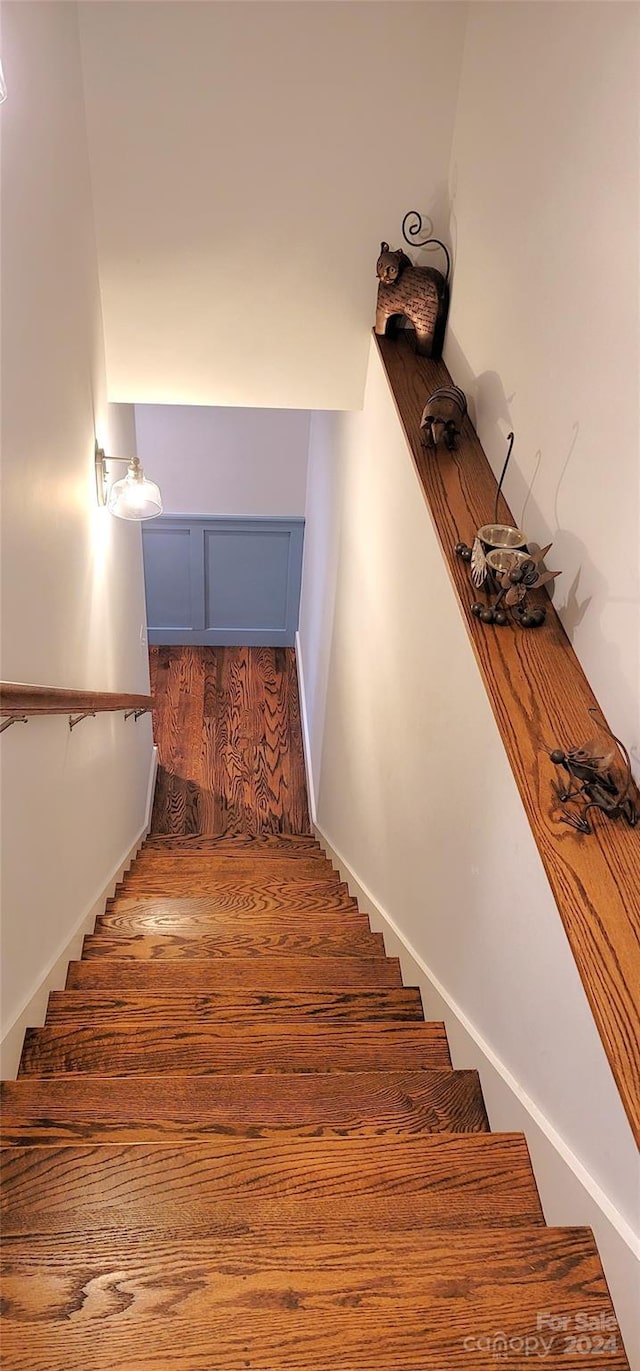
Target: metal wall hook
[[77, 719], [17, 719]]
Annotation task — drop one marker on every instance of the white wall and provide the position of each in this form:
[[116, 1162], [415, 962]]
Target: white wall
[[225, 461], [72, 592], [544, 320], [247, 159], [413, 791]]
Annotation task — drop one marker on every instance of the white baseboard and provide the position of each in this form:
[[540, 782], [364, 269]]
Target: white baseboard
[[306, 737], [569, 1194], [33, 1013], [151, 790]]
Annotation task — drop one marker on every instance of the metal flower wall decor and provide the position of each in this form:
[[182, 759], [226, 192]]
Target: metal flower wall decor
[[515, 574]]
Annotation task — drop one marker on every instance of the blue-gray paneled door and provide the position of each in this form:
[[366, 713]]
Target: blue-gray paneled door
[[223, 582]]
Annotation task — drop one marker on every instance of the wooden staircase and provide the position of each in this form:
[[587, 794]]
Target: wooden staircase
[[236, 1145]]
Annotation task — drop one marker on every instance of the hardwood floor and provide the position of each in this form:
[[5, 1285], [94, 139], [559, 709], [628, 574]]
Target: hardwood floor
[[236, 1145], [227, 727]]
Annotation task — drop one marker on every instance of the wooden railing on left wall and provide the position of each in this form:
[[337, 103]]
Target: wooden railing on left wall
[[30, 699]]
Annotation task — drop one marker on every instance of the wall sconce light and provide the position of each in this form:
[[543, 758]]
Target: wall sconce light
[[133, 497]]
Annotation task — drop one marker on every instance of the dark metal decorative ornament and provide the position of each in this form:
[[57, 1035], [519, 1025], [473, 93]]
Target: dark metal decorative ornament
[[499, 560], [442, 417], [419, 294], [594, 782], [511, 575]]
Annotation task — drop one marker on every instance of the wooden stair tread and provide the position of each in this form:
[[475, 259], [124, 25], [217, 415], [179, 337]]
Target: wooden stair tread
[[130, 902], [307, 850], [244, 973], [185, 877], [240, 869], [466, 1179], [169, 946], [257, 894], [236, 1145], [226, 1006], [232, 870], [289, 844], [174, 1108], [414, 1302], [191, 920], [271, 1218], [206, 1049]]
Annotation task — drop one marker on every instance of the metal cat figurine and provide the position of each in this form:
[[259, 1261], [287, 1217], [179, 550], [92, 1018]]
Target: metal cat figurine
[[419, 294]]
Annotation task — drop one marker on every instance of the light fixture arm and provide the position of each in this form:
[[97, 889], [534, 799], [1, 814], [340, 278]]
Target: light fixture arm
[[102, 477], [134, 496]]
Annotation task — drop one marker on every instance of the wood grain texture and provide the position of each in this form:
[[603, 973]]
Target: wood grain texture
[[232, 895], [237, 1144], [30, 699], [222, 924], [169, 946], [267, 867], [275, 1220], [211, 1304], [462, 1179], [207, 1050], [349, 1006], [242, 973], [245, 846], [227, 726], [232, 910], [594, 878], [183, 1108]]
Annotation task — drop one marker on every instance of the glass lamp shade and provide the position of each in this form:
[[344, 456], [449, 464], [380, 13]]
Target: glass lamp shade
[[135, 497]]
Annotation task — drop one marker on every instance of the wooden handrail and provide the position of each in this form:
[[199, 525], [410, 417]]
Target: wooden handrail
[[31, 699], [540, 696]]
